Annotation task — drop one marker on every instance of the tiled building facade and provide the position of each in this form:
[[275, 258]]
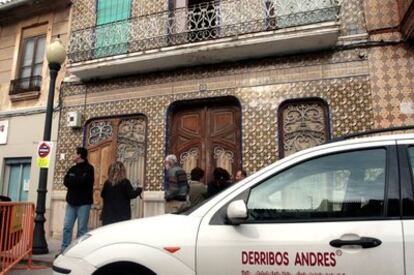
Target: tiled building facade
[[284, 100]]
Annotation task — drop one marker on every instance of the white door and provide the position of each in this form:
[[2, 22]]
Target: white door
[[325, 215], [406, 154]]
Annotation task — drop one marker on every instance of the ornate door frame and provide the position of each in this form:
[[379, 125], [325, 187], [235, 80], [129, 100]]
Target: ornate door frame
[[218, 102], [311, 123], [113, 138]]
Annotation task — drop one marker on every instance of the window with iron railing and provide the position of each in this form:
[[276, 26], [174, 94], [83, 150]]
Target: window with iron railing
[[27, 84], [203, 19], [31, 63]]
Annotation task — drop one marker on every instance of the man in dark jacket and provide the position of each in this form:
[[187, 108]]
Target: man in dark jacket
[[79, 181]]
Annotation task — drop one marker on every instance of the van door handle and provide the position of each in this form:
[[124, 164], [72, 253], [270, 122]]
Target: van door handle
[[364, 242]]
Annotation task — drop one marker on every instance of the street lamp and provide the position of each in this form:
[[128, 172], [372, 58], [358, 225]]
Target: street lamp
[[56, 55]]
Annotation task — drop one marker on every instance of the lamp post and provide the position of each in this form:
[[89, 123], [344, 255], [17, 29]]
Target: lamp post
[[56, 55]]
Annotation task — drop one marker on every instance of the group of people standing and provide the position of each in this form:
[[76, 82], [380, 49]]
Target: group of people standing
[[181, 194], [117, 191]]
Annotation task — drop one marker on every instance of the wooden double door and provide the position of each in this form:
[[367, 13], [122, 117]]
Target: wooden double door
[[207, 137], [116, 139]]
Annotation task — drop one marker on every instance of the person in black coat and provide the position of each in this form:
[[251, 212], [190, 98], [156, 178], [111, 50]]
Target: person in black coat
[[79, 180], [117, 193], [220, 182]]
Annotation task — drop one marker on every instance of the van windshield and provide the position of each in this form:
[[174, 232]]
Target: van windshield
[[191, 209]]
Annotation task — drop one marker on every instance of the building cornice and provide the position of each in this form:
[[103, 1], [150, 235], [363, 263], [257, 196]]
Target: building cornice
[[13, 11]]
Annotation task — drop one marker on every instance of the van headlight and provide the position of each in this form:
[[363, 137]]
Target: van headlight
[[77, 241]]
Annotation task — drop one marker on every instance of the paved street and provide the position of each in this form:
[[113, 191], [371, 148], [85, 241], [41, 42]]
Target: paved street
[[47, 271], [41, 263]]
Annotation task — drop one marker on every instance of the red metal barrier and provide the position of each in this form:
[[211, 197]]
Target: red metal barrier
[[16, 234]]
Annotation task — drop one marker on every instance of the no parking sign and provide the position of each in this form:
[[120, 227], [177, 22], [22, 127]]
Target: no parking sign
[[44, 150]]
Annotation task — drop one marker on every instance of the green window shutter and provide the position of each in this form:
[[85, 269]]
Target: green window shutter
[[112, 27]]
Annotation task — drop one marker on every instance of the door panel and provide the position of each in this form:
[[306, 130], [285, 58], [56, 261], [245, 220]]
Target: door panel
[[101, 158], [131, 148], [24, 194], [295, 214], [207, 137], [14, 184], [407, 171], [116, 139], [224, 137], [17, 178], [298, 248]]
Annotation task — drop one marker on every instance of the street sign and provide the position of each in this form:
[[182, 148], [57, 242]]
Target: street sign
[[4, 125], [43, 154], [43, 150]]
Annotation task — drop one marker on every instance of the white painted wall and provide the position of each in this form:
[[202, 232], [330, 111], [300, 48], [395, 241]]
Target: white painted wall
[[24, 134]]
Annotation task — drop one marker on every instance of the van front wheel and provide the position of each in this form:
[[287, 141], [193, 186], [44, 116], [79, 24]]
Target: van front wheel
[[124, 268]]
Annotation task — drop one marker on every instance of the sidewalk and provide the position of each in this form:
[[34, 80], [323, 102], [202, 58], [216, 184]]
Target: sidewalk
[[41, 263]]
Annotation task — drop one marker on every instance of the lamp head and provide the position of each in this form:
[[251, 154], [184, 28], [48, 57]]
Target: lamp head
[[55, 52]]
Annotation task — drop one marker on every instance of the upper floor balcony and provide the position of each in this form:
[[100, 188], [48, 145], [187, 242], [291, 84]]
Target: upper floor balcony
[[25, 88], [210, 32]]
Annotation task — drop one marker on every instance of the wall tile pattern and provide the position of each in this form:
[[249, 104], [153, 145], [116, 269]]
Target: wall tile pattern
[[84, 11], [352, 17], [392, 80], [83, 14], [404, 5], [381, 14], [217, 70], [142, 7], [349, 99]]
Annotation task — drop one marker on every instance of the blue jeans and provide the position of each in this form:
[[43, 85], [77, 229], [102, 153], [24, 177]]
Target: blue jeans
[[72, 213]]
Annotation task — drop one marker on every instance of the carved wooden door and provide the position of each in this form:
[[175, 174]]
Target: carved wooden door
[[207, 137], [122, 139]]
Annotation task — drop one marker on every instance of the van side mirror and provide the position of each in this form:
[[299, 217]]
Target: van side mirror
[[237, 212]]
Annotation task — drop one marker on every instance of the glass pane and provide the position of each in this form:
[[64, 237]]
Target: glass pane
[[14, 182], [408, 204], [37, 70], [25, 72], [342, 185], [411, 153], [40, 50], [24, 192], [28, 52]]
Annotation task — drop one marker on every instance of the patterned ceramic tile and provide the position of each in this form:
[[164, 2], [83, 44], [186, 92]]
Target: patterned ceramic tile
[[351, 13], [381, 14], [217, 70], [392, 80], [83, 14], [352, 17], [142, 7], [404, 5], [349, 100]]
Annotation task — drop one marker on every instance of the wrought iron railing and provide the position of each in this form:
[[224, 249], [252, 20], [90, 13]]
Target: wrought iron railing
[[27, 84], [209, 20]]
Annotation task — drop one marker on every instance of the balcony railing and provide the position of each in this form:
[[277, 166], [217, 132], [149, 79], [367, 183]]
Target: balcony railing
[[27, 84], [201, 22]]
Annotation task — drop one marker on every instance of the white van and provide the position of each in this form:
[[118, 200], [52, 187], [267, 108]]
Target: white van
[[342, 208]]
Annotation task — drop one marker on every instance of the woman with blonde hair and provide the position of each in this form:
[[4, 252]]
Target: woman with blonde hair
[[117, 193]]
